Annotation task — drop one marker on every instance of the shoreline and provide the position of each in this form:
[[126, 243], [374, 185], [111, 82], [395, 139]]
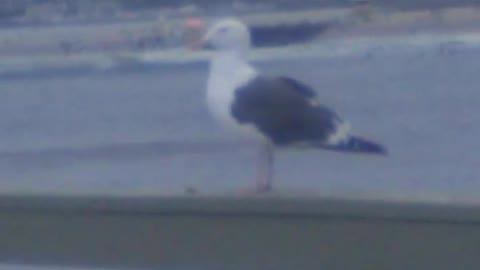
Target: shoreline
[[169, 32], [330, 46]]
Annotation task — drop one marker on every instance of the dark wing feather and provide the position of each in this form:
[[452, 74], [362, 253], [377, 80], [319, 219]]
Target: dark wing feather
[[283, 110], [300, 87]]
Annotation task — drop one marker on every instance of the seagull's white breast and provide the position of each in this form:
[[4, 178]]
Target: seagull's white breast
[[227, 73]]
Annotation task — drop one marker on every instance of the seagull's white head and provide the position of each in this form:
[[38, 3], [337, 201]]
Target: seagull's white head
[[228, 34]]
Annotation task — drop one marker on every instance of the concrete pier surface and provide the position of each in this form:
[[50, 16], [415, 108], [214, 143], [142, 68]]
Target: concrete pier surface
[[231, 232]]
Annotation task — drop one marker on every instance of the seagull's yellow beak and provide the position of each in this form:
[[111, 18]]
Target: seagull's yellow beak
[[205, 43], [201, 44]]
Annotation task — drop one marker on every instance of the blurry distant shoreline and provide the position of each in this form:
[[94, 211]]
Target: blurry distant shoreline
[[33, 27], [18, 12]]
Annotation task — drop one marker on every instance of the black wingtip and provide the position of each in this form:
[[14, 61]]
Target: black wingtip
[[359, 145], [366, 146]]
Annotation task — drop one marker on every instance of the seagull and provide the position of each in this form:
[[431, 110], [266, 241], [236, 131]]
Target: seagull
[[278, 112]]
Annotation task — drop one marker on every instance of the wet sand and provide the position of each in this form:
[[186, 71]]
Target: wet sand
[[108, 132]]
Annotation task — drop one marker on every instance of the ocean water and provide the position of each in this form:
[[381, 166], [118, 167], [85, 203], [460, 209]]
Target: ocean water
[[143, 130]]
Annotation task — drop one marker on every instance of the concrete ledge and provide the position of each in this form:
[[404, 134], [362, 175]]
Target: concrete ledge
[[250, 206], [264, 232]]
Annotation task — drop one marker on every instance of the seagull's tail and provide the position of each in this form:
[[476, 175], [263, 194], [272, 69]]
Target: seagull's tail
[[356, 144]]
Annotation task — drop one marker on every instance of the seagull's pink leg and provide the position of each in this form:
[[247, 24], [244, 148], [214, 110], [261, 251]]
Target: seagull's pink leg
[[265, 168], [264, 172]]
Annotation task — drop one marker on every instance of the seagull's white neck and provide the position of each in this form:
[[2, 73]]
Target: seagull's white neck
[[228, 71], [228, 61]]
